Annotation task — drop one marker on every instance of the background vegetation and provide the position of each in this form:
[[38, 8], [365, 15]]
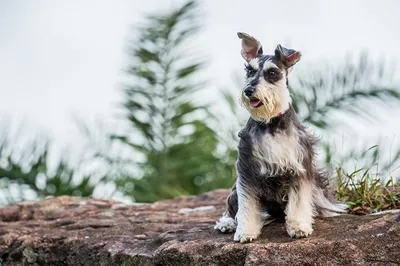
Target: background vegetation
[[173, 144]]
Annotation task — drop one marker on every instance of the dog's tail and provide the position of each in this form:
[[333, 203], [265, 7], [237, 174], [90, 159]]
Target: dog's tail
[[325, 206]]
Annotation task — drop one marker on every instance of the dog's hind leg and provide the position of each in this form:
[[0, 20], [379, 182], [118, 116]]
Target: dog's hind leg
[[300, 210], [227, 223], [249, 218]]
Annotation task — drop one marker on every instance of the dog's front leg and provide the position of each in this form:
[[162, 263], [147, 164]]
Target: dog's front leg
[[300, 210], [249, 220]]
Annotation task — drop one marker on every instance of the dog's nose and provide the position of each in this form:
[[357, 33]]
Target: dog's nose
[[249, 91]]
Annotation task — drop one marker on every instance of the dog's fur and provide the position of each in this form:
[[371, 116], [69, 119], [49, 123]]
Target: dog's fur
[[276, 168]]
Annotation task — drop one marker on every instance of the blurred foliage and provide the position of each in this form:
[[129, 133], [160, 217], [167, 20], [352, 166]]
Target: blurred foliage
[[177, 146], [348, 89], [332, 99], [167, 125], [26, 171]]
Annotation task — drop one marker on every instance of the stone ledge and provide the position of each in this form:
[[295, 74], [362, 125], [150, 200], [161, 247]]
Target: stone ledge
[[81, 231]]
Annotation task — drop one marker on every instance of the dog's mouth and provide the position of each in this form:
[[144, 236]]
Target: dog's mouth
[[255, 102]]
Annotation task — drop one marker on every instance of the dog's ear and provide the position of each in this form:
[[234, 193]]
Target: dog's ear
[[251, 47], [288, 57]]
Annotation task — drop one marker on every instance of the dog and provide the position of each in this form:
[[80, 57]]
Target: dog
[[276, 167]]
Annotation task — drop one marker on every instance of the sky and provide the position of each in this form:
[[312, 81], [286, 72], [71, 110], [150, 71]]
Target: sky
[[64, 59]]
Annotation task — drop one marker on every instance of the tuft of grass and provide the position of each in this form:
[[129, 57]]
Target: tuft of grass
[[366, 193]]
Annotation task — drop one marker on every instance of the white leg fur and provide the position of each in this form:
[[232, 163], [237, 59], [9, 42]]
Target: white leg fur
[[300, 211], [249, 218], [226, 224]]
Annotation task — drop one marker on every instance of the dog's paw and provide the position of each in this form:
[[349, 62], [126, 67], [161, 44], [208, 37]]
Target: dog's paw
[[298, 229], [226, 224], [245, 237]]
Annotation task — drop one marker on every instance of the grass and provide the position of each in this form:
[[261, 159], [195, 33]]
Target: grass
[[366, 193]]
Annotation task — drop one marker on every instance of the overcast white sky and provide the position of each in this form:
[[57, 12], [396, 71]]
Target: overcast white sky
[[60, 59]]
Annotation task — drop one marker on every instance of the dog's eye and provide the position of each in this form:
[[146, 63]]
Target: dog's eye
[[250, 71], [272, 73]]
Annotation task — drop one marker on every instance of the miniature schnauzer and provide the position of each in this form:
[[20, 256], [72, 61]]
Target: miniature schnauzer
[[276, 168]]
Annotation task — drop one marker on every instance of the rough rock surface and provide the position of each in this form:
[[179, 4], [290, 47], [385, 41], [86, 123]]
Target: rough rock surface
[[78, 231]]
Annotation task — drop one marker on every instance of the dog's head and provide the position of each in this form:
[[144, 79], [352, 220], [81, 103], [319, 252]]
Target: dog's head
[[265, 94]]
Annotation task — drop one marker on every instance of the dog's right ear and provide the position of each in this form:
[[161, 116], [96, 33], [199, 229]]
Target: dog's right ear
[[251, 47]]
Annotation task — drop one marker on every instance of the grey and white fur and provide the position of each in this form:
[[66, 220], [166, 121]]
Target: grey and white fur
[[276, 169]]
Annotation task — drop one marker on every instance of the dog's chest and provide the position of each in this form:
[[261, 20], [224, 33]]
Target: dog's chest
[[278, 153]]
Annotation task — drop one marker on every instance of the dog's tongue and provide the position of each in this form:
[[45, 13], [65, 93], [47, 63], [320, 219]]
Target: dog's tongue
[[254, 102]]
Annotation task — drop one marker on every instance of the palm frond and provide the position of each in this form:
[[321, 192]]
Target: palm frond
[[347, 90]]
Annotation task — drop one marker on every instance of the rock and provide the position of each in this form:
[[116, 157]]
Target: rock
[[78, 231]]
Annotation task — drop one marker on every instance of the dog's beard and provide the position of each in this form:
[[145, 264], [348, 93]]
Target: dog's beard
[[271, 104]]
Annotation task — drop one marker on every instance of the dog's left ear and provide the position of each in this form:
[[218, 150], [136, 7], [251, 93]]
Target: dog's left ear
[[288, 57], [251, 47]]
